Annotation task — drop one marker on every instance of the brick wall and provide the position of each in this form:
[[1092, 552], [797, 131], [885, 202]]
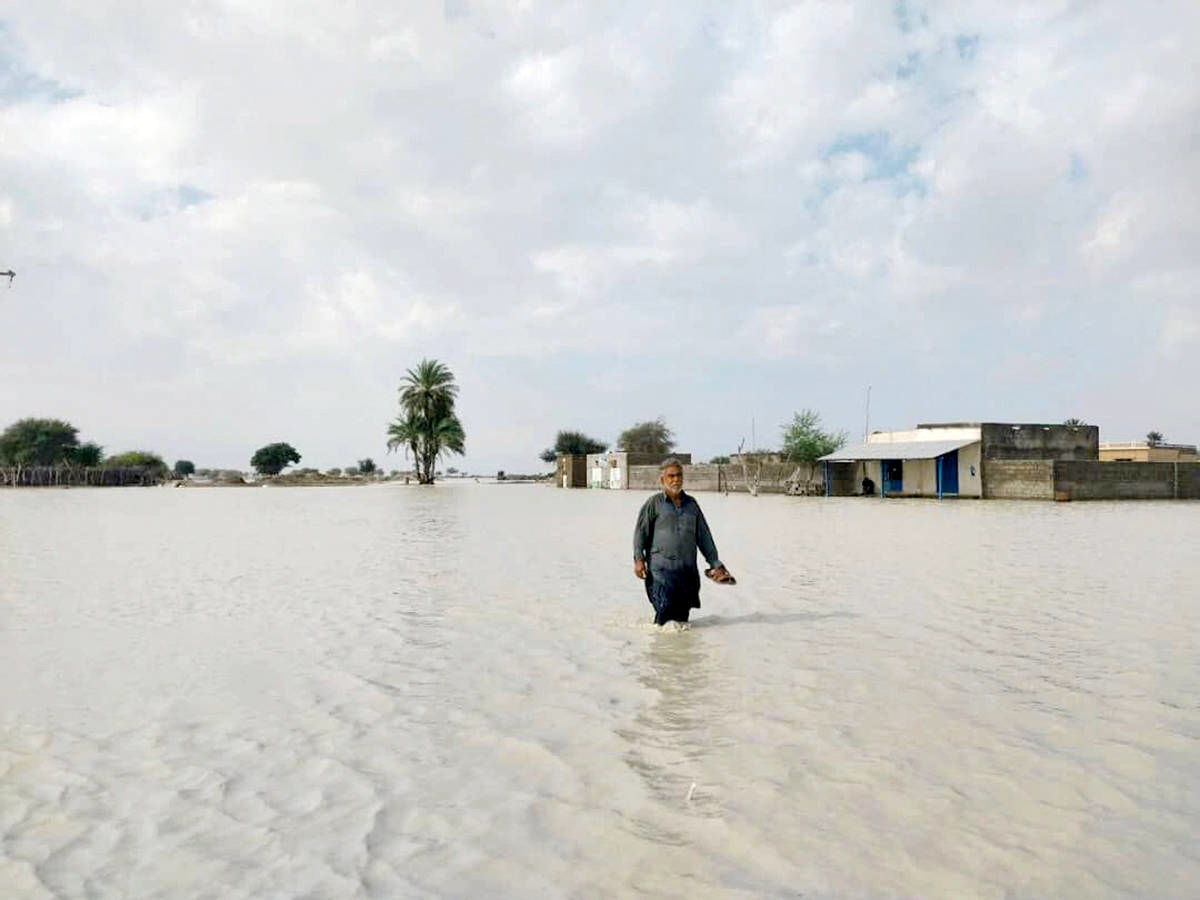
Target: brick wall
[[709, 477], [1085, 480], [1023, 479], [1189, 480], [1031, 442], [698, 477]]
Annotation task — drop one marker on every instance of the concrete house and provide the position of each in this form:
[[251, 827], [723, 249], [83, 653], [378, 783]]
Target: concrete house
[[1144, 451], [570, 471], [611, 469], [955, 459]]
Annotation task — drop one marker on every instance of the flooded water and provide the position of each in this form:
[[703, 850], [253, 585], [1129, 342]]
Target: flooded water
[[399, 691]]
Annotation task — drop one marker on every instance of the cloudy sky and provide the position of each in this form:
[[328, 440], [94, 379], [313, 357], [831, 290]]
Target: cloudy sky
[[240, 222]]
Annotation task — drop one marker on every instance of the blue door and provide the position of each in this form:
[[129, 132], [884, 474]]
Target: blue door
[[893, 476], [948, 473]]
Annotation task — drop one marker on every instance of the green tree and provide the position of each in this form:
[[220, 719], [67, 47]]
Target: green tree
[[38, 442], [273, 458], [137, 459], [351, 471], [427, 426], [719, 461], [335, 472], [88, 455], [367, 466], [1074, 421], [1154, 438], [648, 437], [804, 442], [575, 443], [184, 468]]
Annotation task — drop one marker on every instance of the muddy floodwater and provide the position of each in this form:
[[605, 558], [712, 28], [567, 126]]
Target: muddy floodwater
[[455, 692]]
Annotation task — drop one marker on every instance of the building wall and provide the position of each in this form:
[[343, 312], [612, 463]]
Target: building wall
[[612, 469], [926, 433], [696, 477], [710, 477], [1019, 479], [1136, 451], [970, 471], [1187, 477], [1128, 454], [1021, 441], [920, 475], [597, 470], [1095, 480], [571, 471], [1015, 479]]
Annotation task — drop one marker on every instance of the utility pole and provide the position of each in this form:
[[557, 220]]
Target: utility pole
[[867, 428]]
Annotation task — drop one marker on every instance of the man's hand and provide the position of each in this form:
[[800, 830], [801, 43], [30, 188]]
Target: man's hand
[[720, 575], [639, 568]]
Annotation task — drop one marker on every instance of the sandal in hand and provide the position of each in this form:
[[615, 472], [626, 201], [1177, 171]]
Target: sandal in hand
[[726, 578]]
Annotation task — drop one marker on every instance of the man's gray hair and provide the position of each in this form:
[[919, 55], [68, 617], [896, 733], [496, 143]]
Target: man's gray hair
[[668, 462]]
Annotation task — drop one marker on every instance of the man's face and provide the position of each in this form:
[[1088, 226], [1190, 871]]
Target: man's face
[[672, 480]]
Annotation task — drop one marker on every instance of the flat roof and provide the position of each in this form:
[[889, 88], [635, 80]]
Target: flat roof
[[897, 450], [1144, 445]]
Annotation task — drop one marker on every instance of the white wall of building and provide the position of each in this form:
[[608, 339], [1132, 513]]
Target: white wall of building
[[920, 475], [955, 433]]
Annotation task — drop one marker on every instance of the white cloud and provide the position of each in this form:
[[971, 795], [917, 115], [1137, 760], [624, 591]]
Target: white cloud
[[824, 186], [1180, 330]]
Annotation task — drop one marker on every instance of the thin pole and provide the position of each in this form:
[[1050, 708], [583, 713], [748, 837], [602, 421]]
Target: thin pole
[[867, 427]]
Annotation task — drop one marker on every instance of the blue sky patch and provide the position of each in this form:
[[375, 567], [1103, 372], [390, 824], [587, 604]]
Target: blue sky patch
[[164, 202], [18, 84], [190, 195], [967, 46], [888, 161], [910, 66]]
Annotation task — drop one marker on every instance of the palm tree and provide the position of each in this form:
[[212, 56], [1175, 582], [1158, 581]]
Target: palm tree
[[405, 432], [427, 427]]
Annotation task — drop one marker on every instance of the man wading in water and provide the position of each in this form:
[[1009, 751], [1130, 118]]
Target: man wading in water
[[670, 529]]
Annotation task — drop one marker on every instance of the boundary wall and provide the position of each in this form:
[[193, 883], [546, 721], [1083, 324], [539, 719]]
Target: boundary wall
[[1086, 480], [713, 477], [1187, 477], [1019, 479], [1008, 479], [1045, 479]]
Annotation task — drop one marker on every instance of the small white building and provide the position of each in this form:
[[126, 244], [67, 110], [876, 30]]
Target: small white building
[[611, 469], [927, 461]]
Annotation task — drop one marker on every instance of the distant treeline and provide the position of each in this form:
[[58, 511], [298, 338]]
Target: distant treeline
[[47, 453], [101, 476]]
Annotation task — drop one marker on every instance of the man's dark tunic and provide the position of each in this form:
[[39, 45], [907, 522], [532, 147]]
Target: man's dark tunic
[[667, 538]]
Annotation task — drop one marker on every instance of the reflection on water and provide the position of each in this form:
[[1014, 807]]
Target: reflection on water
[[455, 691], [669, 737]]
